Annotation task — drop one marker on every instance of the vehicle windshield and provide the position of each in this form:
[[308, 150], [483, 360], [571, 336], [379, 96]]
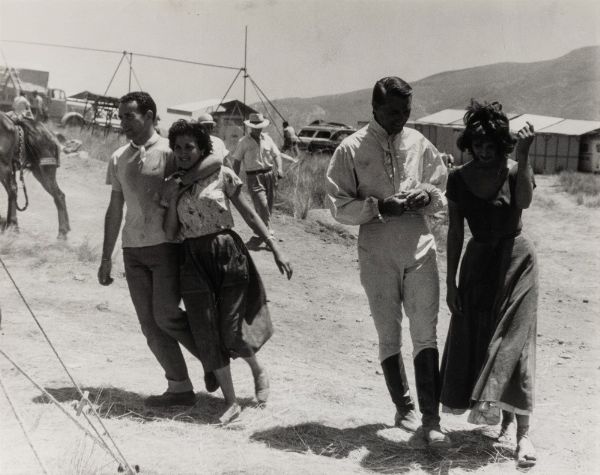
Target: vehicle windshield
[[323, 134], [306, 133]]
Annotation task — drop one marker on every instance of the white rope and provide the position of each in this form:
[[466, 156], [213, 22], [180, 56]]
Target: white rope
[[20, 421], [68, 373], [53, 400]]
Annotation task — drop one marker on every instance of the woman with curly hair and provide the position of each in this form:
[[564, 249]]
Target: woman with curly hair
[[488, 364], [223, 294]]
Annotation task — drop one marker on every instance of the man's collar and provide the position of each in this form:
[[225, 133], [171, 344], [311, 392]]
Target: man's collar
[[380, 132], [151, 141]]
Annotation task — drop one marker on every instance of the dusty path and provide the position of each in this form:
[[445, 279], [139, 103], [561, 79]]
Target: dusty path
[[329, 412]]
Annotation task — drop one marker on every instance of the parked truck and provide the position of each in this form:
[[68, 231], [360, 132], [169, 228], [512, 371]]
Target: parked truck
[[57, 107]]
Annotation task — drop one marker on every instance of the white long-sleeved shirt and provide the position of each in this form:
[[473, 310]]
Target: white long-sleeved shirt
[[371, 165]]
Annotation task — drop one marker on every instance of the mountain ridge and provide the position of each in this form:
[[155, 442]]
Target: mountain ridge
[[567, 87]]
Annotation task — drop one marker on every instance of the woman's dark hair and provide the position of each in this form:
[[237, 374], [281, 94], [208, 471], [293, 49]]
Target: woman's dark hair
[[486, 121], [391, 85], [193, 129]]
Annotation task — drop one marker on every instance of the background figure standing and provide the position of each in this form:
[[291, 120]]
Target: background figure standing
[[386, 178], [489, 359], [262, 163], [290, 140], [136, 173], [22, 107], [37, 106], [218, 146]]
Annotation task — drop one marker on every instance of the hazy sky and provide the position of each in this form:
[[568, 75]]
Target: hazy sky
[[295, 47]]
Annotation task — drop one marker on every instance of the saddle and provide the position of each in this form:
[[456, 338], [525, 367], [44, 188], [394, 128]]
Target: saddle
[[20, 161]]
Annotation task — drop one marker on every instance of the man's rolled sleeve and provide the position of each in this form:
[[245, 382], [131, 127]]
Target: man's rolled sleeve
[[433, 180], [111, 174], [346, 206], [239, 151]]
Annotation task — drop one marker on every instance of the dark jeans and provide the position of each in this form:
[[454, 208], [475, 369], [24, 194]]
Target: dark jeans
[[152, 274]]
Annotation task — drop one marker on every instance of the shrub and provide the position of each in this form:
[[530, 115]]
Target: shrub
[[96, 142], [303, 186], [576, 183]]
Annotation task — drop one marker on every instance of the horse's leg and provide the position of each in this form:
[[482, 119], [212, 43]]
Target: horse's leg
[[10, 185], [46, 175]]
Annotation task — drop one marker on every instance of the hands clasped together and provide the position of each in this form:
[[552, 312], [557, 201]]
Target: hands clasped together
[[397, 204]]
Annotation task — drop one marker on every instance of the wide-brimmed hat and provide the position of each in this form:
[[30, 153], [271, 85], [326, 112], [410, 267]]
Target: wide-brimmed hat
[[205, 119], [256, 121]]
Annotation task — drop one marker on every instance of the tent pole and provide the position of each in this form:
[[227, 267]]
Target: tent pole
[[245, 71]]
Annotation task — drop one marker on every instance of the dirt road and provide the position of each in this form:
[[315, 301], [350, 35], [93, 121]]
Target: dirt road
[[328, 412]]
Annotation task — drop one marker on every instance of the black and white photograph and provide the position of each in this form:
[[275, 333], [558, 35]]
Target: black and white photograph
[[299, 237]]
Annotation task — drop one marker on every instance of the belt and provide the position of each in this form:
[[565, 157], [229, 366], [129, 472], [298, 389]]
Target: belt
[[256, 172]]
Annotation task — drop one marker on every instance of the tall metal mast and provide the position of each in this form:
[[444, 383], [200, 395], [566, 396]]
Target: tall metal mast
[[245, 69]]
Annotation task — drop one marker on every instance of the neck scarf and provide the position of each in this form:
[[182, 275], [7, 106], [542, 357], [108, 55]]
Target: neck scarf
[[142, 148]]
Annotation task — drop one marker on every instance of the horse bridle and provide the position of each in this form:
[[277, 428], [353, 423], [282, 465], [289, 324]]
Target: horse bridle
[[19, 164]]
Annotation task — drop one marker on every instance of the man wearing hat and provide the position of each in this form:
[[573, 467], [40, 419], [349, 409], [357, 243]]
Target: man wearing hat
[[218, 146], [262, 162]]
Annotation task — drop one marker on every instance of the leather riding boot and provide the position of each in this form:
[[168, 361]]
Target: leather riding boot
[[397, 384], [427, 376]]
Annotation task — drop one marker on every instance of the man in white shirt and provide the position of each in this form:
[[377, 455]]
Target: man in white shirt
[[290, 140], [262, 163], [22, 107], [387, 178], [37, 106], [136, 173]]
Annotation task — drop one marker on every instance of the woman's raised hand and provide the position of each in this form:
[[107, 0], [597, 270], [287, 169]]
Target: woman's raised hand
[[525, 137]]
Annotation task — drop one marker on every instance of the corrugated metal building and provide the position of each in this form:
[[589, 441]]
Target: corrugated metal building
[[560, 144]]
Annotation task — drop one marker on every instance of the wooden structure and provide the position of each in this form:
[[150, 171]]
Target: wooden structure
[[560, 144], [229, 117]]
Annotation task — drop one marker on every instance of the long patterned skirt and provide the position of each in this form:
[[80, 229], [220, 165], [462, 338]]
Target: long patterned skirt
[[224, 298], [490, 350]]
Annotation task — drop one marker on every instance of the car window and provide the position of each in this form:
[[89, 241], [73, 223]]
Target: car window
[[306, 133], [341, 136], [323, 134]]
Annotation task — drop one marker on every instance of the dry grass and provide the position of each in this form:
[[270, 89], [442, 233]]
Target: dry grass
[[373, 447], [543, 201], [43, 251], [584, 186], [303, 187], [96, 142], [88, 253]]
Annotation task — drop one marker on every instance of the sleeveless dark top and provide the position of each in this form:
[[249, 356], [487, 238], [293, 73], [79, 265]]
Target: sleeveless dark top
[[489, 220]]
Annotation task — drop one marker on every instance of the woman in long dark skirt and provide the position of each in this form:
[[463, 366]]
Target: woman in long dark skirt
[[488, 364], [223, 294]]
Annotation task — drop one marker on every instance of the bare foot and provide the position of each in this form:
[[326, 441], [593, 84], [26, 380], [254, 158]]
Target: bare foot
[[525, 453], [507, 434], [261, 387], [231, 413]]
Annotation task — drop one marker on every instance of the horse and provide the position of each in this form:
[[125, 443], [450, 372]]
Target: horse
[[27, 144]]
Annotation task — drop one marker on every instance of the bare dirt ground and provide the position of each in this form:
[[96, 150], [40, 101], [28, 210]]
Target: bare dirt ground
[[328, 411]]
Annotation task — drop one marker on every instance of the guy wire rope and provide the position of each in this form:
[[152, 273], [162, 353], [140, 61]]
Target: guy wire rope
[[98, 440], [64, 367], [266, 109], [20, 421]]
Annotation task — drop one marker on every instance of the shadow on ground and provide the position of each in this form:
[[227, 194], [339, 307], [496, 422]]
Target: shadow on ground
[[117, 403], [382, 449]]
